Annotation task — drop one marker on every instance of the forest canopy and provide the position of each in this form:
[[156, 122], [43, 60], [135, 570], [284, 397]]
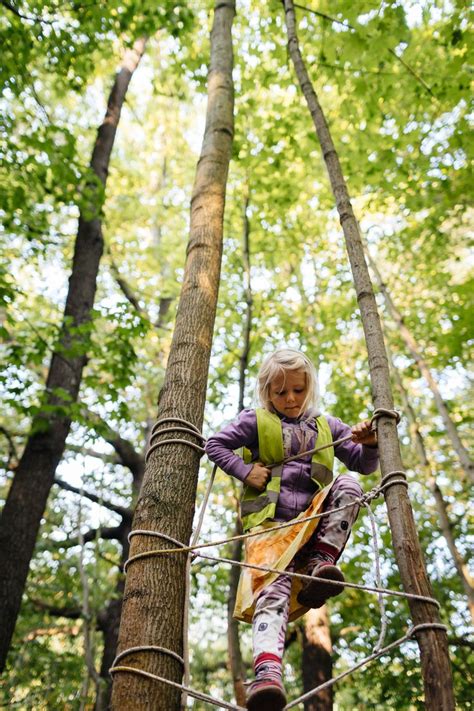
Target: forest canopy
[[393, 77]]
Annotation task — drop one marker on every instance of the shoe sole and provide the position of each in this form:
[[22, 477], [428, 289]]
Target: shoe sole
[[266, 700], [315, 594]]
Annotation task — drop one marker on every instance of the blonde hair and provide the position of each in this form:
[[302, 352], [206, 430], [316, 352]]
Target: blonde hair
[[277, 364]]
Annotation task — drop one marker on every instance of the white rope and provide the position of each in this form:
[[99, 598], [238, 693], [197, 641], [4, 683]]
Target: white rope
[[302, 576], [147, 648], [190, 692], [370, 496], [410, 633], [187, 594], [378, 580]]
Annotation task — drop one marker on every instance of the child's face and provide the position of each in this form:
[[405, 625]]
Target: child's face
[[288, 392]]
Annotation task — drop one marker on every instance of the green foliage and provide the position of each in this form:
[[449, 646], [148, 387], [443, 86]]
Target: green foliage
[[393, 82]]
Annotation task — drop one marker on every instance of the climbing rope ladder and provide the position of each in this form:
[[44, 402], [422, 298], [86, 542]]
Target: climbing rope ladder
[[194, 551]]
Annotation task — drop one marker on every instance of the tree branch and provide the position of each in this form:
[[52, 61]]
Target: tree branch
[[392, 52], [86, 452], [128, 455], [12, 453], [36, 19], [120, 510], [72, 613]]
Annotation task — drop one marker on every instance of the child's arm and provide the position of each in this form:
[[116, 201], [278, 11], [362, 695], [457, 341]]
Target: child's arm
[[359, 455], [239, 433]]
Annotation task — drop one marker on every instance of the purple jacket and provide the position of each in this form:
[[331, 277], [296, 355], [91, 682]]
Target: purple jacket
[[297, 487]]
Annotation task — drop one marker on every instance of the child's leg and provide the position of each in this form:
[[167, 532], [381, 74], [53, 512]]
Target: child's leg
[[332, 534], [269, 625], [270, 619], [329, 540]]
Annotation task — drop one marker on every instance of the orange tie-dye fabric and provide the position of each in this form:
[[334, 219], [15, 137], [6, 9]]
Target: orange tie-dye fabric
[[276, 548]]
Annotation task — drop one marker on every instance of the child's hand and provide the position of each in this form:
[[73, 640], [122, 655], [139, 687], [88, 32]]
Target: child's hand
[[363, 434], [259, 476]]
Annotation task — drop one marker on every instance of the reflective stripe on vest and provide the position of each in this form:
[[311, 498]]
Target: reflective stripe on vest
[[256, 506]]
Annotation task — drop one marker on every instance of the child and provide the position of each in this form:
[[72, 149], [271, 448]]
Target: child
[[287, 424]]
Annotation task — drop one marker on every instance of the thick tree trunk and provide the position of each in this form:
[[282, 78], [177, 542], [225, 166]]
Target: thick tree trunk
[[34, 477], [416, 353], [443, 518], [433, 644], [317, 659], [155, 587]]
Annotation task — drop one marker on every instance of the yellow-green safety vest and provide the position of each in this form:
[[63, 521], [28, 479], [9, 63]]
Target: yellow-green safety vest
[[259, 506]]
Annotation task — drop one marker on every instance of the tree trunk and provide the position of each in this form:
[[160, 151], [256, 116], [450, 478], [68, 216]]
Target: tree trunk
[[317, 659], [44, 448], [433, 644], [415, 351], [443, 518], [155, 587]]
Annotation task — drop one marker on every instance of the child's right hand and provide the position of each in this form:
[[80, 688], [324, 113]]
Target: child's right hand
[[259, 476]]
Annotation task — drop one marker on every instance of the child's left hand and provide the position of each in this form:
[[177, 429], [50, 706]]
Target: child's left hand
[[363, 434]]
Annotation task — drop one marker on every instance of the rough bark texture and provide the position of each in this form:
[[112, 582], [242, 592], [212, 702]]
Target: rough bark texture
[[433, 644], [445, 525], [44, 448], [317, 659], [154, 593], [416, 352]]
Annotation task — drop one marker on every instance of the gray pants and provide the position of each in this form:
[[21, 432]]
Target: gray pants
[[270, 618]]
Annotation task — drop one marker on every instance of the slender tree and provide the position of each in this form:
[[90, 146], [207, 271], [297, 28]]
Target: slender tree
[[416, 352], [108, 619], [432, 641], [155, 588], [445, 524], [26, 501]]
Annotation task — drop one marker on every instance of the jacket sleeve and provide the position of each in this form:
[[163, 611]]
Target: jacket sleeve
[[220, 447], [356, 457]]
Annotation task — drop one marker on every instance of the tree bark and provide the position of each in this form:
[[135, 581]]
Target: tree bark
[[26, 501], [154, 593], [317, 659], [415, 351], [443, 518], [432, 642]]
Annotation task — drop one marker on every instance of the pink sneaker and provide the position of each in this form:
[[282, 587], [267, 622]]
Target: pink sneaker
[[314, 594], [266, 695]]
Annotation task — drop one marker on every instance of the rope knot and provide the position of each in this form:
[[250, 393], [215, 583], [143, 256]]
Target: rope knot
[[383, 412], [182, 426]]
